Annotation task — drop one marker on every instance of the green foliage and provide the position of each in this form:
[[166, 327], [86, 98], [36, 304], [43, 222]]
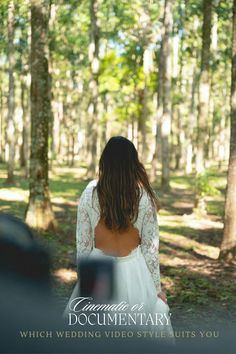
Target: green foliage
[[126, 29], [204, 186]]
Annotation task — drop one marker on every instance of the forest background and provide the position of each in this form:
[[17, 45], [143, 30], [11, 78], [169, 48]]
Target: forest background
[[162, 73]]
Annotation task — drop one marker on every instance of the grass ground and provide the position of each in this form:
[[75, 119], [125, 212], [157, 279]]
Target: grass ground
[[198, 286]]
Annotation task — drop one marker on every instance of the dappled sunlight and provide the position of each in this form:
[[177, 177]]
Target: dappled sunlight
[[70, 199], [189, 265], [58, 172], [215, 198], [180, 185], [5, 207], [174, 261], [170, 220], [169, 253], [164, 212], [18, 195], [191, 245], [187, 243], [65, 275], [63, 201], [57, 208], [182, 205], [201, 224]]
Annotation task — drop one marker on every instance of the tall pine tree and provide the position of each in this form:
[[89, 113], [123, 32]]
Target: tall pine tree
[[39, 213], [228, 247]]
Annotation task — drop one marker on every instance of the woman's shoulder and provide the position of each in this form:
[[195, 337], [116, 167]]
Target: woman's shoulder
[[145, 199], [91, 184], [86, 196]]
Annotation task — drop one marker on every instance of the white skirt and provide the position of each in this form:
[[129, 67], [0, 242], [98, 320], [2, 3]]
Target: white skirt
[[133, 284]]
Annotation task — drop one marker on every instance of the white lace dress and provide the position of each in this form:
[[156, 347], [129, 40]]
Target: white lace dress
[[138, 274]]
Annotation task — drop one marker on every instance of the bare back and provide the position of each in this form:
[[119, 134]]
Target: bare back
[[119, 244]]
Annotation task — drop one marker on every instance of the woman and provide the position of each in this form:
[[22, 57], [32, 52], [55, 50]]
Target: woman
[[117, 218]]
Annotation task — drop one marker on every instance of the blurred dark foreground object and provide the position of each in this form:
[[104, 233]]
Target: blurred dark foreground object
[[25, 286], [22, 258], [26, 305], [96, 279]]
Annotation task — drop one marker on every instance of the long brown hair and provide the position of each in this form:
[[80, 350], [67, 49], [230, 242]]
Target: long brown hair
[[121, 175]]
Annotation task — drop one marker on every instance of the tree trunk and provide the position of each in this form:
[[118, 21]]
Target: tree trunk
[[93, 106], [157, 150], [2, 137], [166, 117], [204, 86], [142, 143], [147, 67], [39, 213], [142, 122], [228, 246], [72, 160], [180, 110], [103, 138], [10, 118], [190, 130], [25, 143]]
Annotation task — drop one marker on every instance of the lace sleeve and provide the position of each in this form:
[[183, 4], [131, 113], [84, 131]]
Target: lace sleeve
[[84, 241], [150, 244]]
